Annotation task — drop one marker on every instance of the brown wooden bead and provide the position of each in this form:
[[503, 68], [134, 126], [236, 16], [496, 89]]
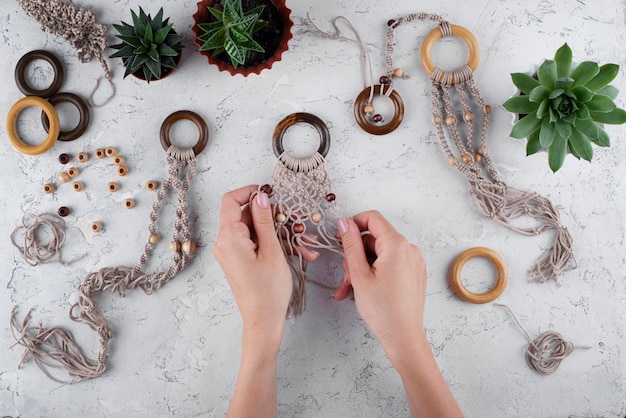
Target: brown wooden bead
[[110, 152], [452, 161], [298, 228], [82, 157], [77, 186], [188, 247], [48, 188], [175, 246], [96, 226], [469, 116], [63, 211], [450, 121], [122, 170], [477, 157], [466, 158], [437, 120], [64, 176], [118, 160], [267, 189], [391, 22], [377, 118], [368, 109], [64, 158], [100, 153], [384, 79], [154, 238], [486, 109], [129, 203], [113, 187], [152, 185], [72, 172], [330, 197]]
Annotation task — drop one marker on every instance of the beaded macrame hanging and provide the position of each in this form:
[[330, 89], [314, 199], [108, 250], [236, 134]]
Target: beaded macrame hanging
[[55, 347], [305, 206], [460, 114], [79, 27]]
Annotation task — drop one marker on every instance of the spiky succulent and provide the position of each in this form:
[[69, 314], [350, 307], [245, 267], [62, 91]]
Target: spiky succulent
[[565, 108], [232, 31], [148, 46]]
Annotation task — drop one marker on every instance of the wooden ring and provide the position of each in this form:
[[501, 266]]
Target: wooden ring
[[83, 112], [457, 267], [290, 120], [13, 114], [203, 129], [456, 30], [20, 73], [364, 122]]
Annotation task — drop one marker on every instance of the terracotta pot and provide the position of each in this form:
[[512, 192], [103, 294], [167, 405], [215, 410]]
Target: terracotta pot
[[202, 15]]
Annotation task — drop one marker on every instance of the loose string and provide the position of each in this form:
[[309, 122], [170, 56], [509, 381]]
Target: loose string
[[55, 347], [545, 353]]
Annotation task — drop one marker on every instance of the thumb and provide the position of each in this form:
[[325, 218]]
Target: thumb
[[354, 251], [263, 221]]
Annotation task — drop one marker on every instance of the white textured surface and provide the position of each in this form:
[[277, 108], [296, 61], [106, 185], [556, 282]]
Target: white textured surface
[[175, 353]]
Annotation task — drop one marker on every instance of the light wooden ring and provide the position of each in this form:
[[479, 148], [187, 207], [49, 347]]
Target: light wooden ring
[[457, 267], [377, 129], [436, 34], [53, 117]]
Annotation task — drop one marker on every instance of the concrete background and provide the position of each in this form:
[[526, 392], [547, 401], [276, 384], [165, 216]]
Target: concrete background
[[176, 353]]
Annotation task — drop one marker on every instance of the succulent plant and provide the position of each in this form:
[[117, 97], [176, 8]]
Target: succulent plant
[[565, 108], [148, 46], [232, 31]]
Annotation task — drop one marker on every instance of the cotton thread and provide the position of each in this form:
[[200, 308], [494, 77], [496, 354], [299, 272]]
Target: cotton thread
[[545, 353]]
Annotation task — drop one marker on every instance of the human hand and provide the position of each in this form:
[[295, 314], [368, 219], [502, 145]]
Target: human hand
[[390, 292]]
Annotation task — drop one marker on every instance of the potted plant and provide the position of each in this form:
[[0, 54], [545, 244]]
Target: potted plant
[[150, 48], [563, 108], [242, 36]]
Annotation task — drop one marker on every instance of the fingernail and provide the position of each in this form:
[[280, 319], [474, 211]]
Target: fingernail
[[262, 200], [343, 225]]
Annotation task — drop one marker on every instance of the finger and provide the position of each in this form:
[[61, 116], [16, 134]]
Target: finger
[[232, 203], [343, 291], [353, 248], [374, 222], [263, 221], [346, 271]]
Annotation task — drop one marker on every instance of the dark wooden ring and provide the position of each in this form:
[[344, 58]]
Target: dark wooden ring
[[363, 120], [289, 120], [83, 111], [20, 73], [203, 129]]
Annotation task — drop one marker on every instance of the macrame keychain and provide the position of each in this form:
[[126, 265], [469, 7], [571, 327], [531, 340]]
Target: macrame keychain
[[304, 203], [459, 112], [56, 348], [79, 27]]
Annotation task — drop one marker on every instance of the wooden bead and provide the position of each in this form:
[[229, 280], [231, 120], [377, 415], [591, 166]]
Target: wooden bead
[[63, 211], [152, 185], [398, 72], [298, 228], [188, 247], [64, 177], [281, 218], [377, 118], [82, 157], [113, 186], [100, 153], [77, 186], [175, 246], [316, 217], [96, 226], [118, 160], [64, 158], [129, 203], [452, 161], [48, 188], [267, 189], [154, 238], [368, 109], [466, 158], [486, 109], [122, 170], [450, 121], [384, 79], [477, 157], [330, 197], [72, 172], [437, 120], [110, 152], [469, 116], [482, 150]]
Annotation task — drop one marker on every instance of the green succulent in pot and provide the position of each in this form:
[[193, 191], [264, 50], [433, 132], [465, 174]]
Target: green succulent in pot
[[150, 47], [232, 31], [563, 109]]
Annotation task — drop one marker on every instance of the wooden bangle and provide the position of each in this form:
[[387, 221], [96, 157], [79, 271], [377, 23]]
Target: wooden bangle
[[20, 73], [457, 267], [203, 129], [83, 112], [363, 119], [11, 127], [290, 120], [436, 34]]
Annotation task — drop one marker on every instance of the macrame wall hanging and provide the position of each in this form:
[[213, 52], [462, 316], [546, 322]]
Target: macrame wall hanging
[[79, 27], [305, 206], [55, 347]]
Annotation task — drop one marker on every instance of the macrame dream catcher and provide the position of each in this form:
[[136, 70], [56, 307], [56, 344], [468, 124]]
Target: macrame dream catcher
[[55, 347], [304, 205]]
